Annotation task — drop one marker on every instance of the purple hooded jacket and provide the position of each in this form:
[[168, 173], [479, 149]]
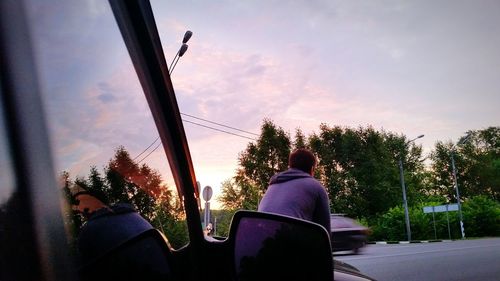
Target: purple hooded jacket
[[297, 194]]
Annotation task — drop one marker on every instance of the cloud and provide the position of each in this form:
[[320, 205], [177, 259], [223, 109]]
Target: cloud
[[235, 86], [108, 111], [407, 67]]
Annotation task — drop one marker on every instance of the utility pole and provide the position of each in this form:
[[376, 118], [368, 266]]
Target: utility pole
[[403, 187], [455, 182], [462, 230], [405, 202]]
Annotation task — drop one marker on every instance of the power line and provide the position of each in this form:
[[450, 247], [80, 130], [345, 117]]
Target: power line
[[149, 153], [179, 54], [157, 138], [201, 125], [212, 128], [219, 124]]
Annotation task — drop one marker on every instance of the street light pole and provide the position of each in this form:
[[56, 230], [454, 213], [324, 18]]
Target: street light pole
[[455, 182], [462, 230], [403, 187], [181, 51], [405, 203]]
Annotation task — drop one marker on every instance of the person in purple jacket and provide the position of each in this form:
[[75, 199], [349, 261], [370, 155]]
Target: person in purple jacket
[[296, 193]]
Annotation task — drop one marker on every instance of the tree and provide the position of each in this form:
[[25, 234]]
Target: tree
[[359, 168], [442, 173], [72, 219], [477, 162], [300, 140], [222, 221], [96, 183], [235, 197], [257, 164], [482, 151], [127, 182], [481, 217], [261, 160], [140, 186]]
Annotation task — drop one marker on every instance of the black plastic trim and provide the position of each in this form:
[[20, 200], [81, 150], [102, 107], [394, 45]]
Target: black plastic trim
[[137, 24], [39, 203]]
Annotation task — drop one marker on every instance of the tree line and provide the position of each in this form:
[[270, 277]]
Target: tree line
[[359, 168]]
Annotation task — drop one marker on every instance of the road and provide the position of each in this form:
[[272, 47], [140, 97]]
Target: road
[[452, 261]]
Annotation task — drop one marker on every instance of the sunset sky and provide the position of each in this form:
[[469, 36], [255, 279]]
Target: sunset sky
[[409, 67]]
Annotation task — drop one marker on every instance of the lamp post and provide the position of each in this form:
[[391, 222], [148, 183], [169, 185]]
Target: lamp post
[[181, 52], [403, 187], [454, 170]]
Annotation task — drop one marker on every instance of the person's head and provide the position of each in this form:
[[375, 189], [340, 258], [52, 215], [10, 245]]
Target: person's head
[[302, 159], [87, 202]]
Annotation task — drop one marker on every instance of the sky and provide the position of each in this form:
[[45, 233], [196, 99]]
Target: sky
[[409, 67]]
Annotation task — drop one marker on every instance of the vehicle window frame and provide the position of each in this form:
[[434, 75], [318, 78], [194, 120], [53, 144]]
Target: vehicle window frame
[[31, 145], [138, 27], [36, 185]]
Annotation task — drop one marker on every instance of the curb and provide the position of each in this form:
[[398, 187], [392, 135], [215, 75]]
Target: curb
[[406, 242]]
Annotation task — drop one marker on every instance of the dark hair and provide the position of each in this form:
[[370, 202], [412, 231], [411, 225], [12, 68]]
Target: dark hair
[[97, 194], [302, 159]]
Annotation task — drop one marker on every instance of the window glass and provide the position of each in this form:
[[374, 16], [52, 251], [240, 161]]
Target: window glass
[[6, 172], [14, 228], [106, 146]]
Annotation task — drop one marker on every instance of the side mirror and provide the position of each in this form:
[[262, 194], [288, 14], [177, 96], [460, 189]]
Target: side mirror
[[144, 257], [273, 247]]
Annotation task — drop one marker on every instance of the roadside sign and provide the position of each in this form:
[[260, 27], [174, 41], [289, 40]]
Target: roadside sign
[[207, 193], [428, 210], [441, 208]]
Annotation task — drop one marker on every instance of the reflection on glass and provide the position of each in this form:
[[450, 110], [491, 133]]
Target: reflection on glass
[[6, 173], [272, 250], [143, 258], [103, 135], [16, 243]]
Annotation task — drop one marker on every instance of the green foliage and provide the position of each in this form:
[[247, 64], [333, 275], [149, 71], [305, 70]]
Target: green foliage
[[257, 164], [223, 218], [265, 158], [238, 196], [300, 140], [477, 163], [481, 217], [391, 226], [171, 223], [130, 183], [360, 170]]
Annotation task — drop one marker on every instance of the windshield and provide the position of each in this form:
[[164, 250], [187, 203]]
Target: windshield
[[106, 146]]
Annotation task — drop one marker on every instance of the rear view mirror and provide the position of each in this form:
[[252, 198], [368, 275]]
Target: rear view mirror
[[144, 257], [274, 247]]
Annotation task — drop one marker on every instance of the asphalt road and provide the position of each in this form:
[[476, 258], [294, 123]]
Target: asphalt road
[[454, 260]]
